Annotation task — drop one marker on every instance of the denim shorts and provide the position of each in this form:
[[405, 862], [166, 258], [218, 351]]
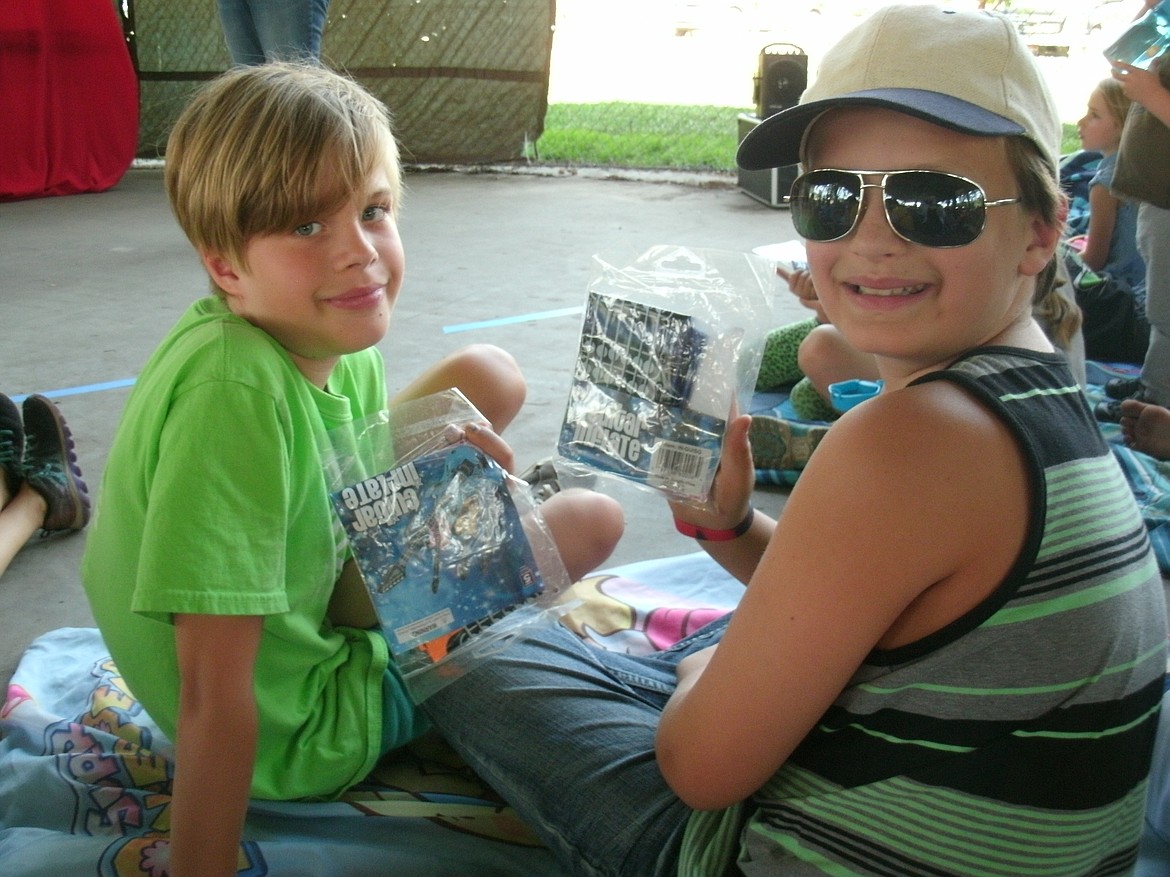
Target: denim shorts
[[564, 731]]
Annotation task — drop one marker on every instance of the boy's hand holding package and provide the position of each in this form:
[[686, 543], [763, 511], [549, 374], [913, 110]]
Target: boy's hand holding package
[[729, 504], [451, 551], [487, 440]]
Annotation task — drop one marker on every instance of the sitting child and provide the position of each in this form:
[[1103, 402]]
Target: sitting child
[[1109, 245], [213, 564], [950, 651], [1107, 272]]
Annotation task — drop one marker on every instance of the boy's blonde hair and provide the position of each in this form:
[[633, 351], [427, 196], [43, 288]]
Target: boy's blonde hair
[[263, 149]]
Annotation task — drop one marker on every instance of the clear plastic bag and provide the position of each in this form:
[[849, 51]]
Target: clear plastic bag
[[670, 347], [452, 550]]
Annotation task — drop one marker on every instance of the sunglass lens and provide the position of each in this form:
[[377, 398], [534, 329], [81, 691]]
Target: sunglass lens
[[934, 209], [824, 204]]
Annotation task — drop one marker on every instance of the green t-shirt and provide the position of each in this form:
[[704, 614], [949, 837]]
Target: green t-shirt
[[214, 501]]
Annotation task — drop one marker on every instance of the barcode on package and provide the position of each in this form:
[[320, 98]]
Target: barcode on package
[[676, 465], [423, 626]]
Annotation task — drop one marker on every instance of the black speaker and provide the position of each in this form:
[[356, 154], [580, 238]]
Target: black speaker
[[782, 78], [769, 186]]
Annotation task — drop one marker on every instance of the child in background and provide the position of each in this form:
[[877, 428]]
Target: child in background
[[949, 655], [1109, 245], [41, 487], [1107, 274], [1149, 90], [779, 444], [815, 355], [781, 366], [212, 567]]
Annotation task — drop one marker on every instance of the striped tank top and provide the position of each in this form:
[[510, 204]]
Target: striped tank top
[[1016, 740]]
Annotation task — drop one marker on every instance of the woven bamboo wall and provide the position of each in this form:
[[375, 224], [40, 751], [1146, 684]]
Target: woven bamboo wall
[[467, 80]]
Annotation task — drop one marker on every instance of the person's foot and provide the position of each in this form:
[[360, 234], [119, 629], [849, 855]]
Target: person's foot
[[50, 466], [1123, 388], [782, 444], [1145, 427], [11, 445]]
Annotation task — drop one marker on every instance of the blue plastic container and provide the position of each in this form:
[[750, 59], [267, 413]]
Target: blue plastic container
[[844, 395], [1145, 40]]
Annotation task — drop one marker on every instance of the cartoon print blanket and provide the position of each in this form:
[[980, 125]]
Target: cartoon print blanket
[[85, 774]]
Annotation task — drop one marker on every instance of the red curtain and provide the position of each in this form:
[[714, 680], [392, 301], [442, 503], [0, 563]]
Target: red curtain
[[68, 98]]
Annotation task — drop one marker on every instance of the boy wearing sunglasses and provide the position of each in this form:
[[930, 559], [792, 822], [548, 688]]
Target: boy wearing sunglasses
[[949, 655]]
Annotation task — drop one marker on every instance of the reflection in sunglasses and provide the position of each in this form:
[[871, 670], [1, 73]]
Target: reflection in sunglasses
[[930, 208]]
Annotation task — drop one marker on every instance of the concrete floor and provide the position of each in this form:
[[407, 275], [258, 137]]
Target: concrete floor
[[90, 283]]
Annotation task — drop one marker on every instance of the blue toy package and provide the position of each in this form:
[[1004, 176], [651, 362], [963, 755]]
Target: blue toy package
[[453, 555], [440, 545], [669, 346], [628, 409]]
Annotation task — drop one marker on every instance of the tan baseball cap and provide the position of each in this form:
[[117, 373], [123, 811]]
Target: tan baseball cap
[[964, 70]]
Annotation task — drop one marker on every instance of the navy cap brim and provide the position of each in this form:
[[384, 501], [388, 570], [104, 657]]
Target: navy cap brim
[[776, 141]]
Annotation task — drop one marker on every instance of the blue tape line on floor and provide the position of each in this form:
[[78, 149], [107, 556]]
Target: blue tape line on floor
[[447, 330], [78, 391], [506, 321]]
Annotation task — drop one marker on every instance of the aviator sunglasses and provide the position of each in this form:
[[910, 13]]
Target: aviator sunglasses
[[930, 208]]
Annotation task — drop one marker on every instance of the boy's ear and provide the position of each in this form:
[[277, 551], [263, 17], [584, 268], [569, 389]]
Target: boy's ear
[[223, 272], [1045, 239]]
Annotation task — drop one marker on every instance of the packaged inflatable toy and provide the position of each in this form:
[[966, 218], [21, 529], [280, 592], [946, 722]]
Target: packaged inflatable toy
[[452, 551], [670, 347]]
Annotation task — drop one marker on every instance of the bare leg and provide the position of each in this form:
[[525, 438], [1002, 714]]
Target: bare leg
[[1146, 428], [19, 519], [586, 527], [484, 373], [827, 358]]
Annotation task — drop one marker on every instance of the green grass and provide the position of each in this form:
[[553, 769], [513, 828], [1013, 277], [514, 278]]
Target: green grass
[[659, 136], [639, 136]]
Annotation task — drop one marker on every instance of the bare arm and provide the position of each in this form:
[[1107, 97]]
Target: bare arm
[[1145, 87], [213, 762], [1102, 220], [875, 547]]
